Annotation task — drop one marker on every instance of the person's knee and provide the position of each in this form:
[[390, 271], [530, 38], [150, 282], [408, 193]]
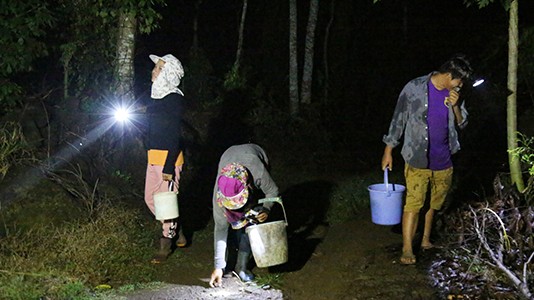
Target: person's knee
[[412, 207]]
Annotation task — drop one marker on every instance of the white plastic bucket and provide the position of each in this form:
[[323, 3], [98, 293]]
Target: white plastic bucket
[[268, 241], [166, 205], [386, 202]]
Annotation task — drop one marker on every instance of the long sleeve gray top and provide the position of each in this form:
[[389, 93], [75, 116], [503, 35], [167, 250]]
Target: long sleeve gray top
[[253, 158]]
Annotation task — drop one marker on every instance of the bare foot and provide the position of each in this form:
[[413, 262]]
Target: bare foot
[[408, 259], [427, 246]]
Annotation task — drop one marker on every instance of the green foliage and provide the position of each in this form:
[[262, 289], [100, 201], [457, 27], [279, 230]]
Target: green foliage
[[144, 10], [480, 3], [484, 3], [12, 146], [88, 45], [127, 177], [23, 26], [275, 280], [525, 152], [236, 78], [9, 95]]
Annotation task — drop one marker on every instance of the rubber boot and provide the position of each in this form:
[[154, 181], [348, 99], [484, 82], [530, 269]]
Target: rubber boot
[[241, 266], [164, 250]]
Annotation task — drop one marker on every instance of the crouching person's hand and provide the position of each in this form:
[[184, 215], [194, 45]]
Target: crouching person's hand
[[263, 214], [262, 217], [216, 278]]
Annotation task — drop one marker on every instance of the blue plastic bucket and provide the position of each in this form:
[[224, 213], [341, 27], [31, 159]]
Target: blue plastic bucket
[[386, 202]]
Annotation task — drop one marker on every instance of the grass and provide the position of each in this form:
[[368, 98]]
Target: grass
[[68, 259], [351, 196], [275, 280]]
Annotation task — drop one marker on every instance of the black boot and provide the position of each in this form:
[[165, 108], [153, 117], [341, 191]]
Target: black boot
[[241, 266], [164, 250]]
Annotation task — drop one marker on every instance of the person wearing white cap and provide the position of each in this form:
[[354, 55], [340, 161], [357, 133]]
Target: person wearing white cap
[[242, 169], [165, 156]]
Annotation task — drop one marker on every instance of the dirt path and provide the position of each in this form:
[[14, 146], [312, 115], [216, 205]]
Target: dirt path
[[358, 260], [354, 260]]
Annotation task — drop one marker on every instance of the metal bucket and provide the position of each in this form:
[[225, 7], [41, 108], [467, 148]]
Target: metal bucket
[[268, 241]]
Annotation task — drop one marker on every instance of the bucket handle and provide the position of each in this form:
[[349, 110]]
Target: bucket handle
[[277, 200], [172, 184], [386, 182]]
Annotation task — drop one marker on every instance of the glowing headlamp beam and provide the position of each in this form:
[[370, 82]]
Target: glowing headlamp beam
[[478, 82], [121, 114]]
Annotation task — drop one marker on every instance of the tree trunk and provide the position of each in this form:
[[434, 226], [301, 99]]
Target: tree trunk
[[326, 86], [307, 73], [293, 64], [513, 40], [237, 62], [124, 68], [195, 26]]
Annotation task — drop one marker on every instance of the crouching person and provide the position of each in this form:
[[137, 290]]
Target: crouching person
[[242, 170]]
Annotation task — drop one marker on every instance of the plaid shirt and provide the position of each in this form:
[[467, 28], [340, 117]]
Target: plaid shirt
[[410, 119]]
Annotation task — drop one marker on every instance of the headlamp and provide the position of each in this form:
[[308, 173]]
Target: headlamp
[[478, 82]]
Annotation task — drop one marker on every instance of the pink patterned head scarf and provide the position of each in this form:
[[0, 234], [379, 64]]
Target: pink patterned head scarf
[[169, 79], [232, 192]]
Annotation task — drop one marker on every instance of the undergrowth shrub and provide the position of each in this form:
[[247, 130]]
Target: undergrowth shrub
[[525, 153], [13, 146], [49, 261], [350, 197], [491, 247]]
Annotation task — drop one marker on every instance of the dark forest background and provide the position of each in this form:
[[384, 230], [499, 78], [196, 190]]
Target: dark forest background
[[373, 49]]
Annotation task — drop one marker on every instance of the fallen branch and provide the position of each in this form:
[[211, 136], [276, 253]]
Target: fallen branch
[[522, 285]]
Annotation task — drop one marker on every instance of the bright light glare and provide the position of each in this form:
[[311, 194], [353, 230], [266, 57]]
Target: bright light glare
[[122, 114], [478, 82]]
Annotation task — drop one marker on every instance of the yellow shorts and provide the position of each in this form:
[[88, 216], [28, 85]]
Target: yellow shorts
[[417, 181]]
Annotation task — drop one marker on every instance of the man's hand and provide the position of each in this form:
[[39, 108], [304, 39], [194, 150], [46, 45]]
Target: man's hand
[[387, 159], [167, 177], [216, 278], [453, 98]]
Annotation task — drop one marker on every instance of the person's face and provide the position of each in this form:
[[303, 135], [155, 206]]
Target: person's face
[[454, 84], [157, 69]]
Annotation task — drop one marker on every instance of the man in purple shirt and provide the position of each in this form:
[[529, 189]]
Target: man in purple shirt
[[427, 114]]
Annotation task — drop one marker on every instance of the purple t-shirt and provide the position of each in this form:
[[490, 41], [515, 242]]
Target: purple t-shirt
[[439, 154]]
